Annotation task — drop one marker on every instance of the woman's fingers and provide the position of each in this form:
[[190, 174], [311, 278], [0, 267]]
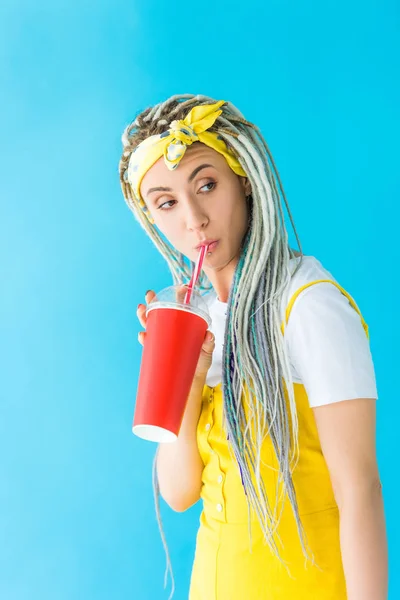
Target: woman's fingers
[[209, 342], [141, 315], [149, 295], [141, 309], [181, 293]]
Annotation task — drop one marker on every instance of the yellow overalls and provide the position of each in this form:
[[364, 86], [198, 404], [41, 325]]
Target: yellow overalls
[[224, 567]]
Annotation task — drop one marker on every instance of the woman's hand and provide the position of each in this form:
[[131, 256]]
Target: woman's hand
[[207, 349]]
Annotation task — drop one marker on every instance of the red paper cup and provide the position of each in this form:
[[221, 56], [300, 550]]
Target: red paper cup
[[174, 337]]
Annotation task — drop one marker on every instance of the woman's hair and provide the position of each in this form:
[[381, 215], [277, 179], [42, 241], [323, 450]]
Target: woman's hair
[[254, 354]]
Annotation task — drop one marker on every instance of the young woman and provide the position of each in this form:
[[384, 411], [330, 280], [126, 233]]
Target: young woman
[[278, 438]]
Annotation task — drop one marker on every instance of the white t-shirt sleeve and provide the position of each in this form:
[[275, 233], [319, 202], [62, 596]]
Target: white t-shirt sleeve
[[328, 347]]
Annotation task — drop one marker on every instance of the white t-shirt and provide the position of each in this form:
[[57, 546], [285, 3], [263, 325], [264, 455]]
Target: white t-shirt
[[329, 351]]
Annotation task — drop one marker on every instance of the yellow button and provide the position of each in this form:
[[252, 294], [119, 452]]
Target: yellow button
[[220, 508]]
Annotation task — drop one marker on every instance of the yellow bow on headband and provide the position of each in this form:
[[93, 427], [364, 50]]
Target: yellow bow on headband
[[172, 145]]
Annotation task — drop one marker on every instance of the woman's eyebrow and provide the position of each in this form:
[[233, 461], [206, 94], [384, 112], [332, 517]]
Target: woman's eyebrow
[[191, 177], [197, 169]]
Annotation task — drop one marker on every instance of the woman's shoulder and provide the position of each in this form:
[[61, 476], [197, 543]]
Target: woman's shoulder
[[304, 270]]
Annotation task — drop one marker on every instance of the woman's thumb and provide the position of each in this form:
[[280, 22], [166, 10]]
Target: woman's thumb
[[209, 337]]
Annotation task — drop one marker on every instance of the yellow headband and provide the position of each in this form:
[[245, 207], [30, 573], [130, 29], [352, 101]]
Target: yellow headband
[[172, 145]]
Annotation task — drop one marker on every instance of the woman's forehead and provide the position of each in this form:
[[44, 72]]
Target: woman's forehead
[[159, 174]]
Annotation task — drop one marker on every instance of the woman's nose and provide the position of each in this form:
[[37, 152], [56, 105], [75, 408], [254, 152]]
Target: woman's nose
[[196, 218]]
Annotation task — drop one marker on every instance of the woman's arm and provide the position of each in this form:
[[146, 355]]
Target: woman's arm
[[179, 465], [347, 432]]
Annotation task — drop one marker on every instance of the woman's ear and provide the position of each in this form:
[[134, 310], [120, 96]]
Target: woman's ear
[[246, 185]]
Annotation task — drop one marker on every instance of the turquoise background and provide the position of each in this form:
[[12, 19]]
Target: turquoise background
[[322, 82]]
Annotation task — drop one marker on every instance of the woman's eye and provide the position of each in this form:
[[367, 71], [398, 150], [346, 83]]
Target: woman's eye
[[169, 202], [210, 186], [212, 183]]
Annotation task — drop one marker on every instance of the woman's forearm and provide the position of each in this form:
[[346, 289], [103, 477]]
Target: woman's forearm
[[179, 465], [363, 543]]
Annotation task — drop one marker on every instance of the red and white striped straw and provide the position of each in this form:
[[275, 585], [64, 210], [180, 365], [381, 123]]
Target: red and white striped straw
[[196, 273]]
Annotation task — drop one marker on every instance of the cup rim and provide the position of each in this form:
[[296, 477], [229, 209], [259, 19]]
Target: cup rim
[[177, 306]]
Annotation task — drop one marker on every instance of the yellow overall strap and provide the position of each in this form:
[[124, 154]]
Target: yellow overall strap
[[298, 292]]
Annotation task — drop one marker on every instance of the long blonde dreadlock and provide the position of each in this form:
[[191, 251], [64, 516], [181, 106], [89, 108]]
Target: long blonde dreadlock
[[254, 354]]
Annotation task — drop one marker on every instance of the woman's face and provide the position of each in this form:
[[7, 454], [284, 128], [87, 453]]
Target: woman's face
[[201, 199]]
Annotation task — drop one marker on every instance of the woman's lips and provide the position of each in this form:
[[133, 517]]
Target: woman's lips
[[212, 247]]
